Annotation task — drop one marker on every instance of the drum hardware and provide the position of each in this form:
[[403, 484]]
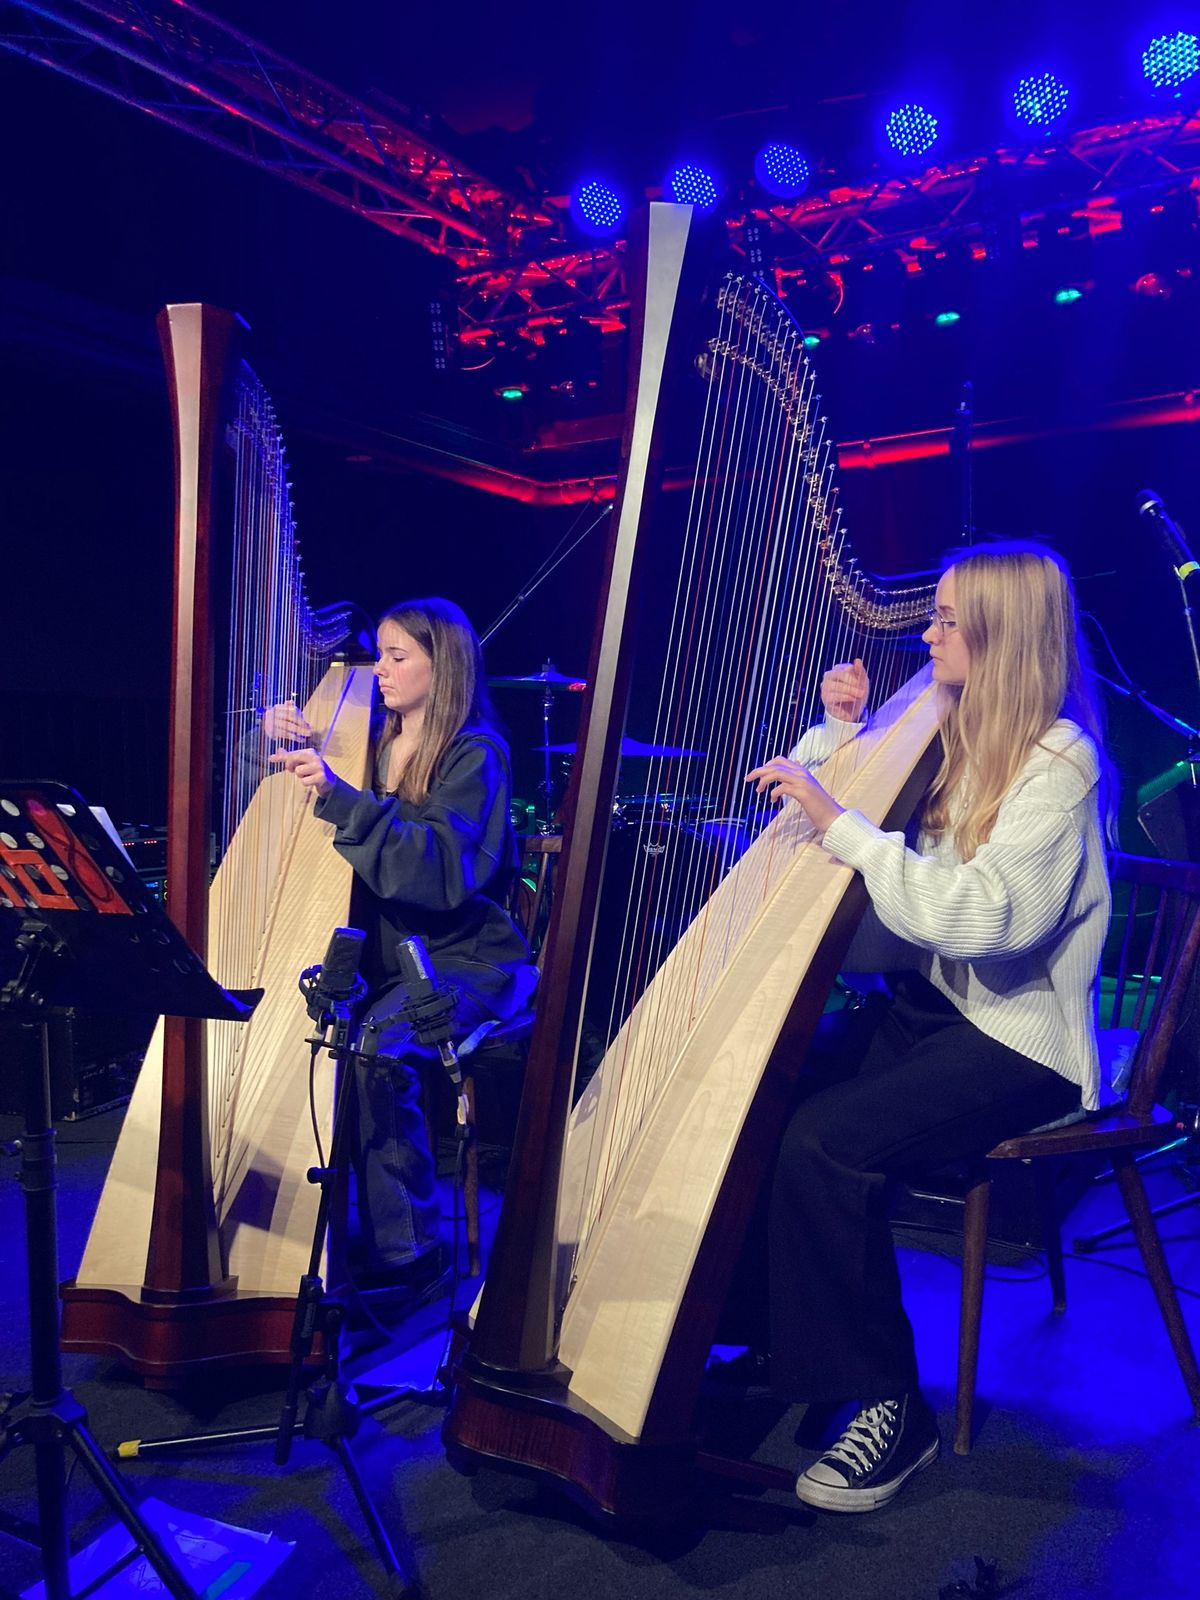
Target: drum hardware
[[631, 749], [550, 682], [633, 809]]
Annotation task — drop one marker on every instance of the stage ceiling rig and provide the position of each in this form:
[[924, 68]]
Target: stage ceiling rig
[[520, 269]]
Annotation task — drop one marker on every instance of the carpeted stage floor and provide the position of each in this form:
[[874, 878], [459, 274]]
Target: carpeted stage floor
[[1084, 1480]]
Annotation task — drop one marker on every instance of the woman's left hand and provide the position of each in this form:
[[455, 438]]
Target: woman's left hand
[[787, 779], [308, 767]]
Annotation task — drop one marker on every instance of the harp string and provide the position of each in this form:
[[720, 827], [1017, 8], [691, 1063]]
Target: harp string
[[768, 596], [278, 650]]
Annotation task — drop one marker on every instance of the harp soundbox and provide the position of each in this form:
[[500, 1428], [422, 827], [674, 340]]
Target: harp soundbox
[[629, 1194], [205, 1221]]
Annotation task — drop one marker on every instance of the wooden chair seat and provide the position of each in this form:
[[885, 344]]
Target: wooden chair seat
[[1110, 1131], [1158, 935]]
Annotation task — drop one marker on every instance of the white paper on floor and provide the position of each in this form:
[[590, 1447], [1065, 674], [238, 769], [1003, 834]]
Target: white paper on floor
[[222, 1562]]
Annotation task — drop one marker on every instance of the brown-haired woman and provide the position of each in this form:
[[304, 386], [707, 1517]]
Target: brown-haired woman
[[432, 845], [989, 933]]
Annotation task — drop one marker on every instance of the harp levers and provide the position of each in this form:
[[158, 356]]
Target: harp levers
[[200, 1236], [626, 1211]]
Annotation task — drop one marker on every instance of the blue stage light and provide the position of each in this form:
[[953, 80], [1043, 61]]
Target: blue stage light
[[782, 170], [690, 185], [1040, 100], [597, 207], [1170, 60], [911, 130]]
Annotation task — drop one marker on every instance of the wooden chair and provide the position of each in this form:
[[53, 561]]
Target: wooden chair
[[1159, 935], [528, 905]]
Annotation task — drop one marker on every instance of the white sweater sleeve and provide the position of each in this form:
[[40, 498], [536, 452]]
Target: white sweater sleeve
[[1008, 899], [819, 742]]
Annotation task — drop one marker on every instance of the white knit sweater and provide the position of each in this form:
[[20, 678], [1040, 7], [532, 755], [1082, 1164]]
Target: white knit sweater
[[1011, 937]]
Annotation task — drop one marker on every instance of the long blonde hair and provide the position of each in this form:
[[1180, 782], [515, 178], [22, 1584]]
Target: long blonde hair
[[457, 693], [1028, 667]]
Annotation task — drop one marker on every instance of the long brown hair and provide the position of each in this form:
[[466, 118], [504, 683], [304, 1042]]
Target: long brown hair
[[1029, 666], [457, 693]]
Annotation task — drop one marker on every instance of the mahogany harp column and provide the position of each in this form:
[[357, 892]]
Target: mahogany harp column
[[204, 1225], [517, 1324], [185, 1262]]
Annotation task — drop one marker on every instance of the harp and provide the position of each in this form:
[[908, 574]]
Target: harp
[[629, 1195], [205, 1221]]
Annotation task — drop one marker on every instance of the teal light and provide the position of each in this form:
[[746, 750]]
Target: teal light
[[945, 319], [1064, 297], [811, 341], [512, 391]]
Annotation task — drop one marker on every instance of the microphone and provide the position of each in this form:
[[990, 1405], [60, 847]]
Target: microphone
[[336, 981], [430, 1010], [430, 1004], [1151, 507]]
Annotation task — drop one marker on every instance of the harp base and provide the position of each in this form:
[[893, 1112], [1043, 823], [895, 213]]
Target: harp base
[[551, 1436], [168, 1346]]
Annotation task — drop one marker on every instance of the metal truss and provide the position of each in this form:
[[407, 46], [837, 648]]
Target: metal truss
[[1088, 175], [1080, 184], [196, 73], [525, 298], [518, 273]]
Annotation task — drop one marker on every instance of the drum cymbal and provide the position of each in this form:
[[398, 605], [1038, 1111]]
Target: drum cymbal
[[629, 747], [555, 682]]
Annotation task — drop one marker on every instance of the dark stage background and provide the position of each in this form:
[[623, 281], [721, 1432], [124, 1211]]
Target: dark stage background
[[110, 215]]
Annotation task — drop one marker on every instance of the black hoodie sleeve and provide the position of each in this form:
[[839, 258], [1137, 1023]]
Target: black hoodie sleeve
[[436, 855]]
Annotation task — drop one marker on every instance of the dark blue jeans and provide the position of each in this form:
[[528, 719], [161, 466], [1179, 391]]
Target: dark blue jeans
[[392, 1208]]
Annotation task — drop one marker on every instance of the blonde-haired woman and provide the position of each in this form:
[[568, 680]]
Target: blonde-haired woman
[[989, 930], [433, 848]]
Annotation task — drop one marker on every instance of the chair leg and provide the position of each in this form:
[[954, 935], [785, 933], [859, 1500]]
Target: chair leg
[[1047, 1200], [471, 1179], [1146, 1234], [975, 1222]]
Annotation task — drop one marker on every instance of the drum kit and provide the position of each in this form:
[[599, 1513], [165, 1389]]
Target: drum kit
[[683, 827], [664, 807]]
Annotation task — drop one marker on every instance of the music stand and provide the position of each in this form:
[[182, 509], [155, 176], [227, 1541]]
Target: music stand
[[77, 928]]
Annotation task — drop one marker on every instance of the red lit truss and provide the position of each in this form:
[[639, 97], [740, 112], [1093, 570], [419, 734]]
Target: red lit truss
[[519, 272]]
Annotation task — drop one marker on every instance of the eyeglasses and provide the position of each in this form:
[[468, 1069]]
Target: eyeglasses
[[939, 620]]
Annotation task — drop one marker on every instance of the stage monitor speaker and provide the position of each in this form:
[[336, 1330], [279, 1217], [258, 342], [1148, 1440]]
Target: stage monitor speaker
[[94, 1060], [1169, 811]]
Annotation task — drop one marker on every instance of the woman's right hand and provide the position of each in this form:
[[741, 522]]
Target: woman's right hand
[[285, 724], [844, 690]]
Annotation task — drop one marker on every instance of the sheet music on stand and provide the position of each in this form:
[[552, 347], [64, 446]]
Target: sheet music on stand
[[79, 928], [114, 947]]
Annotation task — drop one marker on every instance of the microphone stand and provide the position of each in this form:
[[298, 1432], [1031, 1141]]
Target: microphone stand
[[960, 447], [1190, 624], [1085, 1243], [332, 1415]]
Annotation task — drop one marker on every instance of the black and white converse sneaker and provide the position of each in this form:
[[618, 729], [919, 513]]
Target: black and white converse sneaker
[[885, 1444]]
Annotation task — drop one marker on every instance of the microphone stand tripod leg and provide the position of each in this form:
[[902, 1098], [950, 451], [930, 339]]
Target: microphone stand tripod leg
[[330, 1416]]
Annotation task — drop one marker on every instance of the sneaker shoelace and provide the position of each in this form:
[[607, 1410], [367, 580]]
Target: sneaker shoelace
[[865, 1440]]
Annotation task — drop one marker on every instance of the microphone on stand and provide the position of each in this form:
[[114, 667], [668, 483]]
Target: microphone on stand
[[336, 981], [1151, 507], [430, 1009]]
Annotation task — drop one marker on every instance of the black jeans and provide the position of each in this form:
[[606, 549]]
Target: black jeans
[[890, 1090]]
